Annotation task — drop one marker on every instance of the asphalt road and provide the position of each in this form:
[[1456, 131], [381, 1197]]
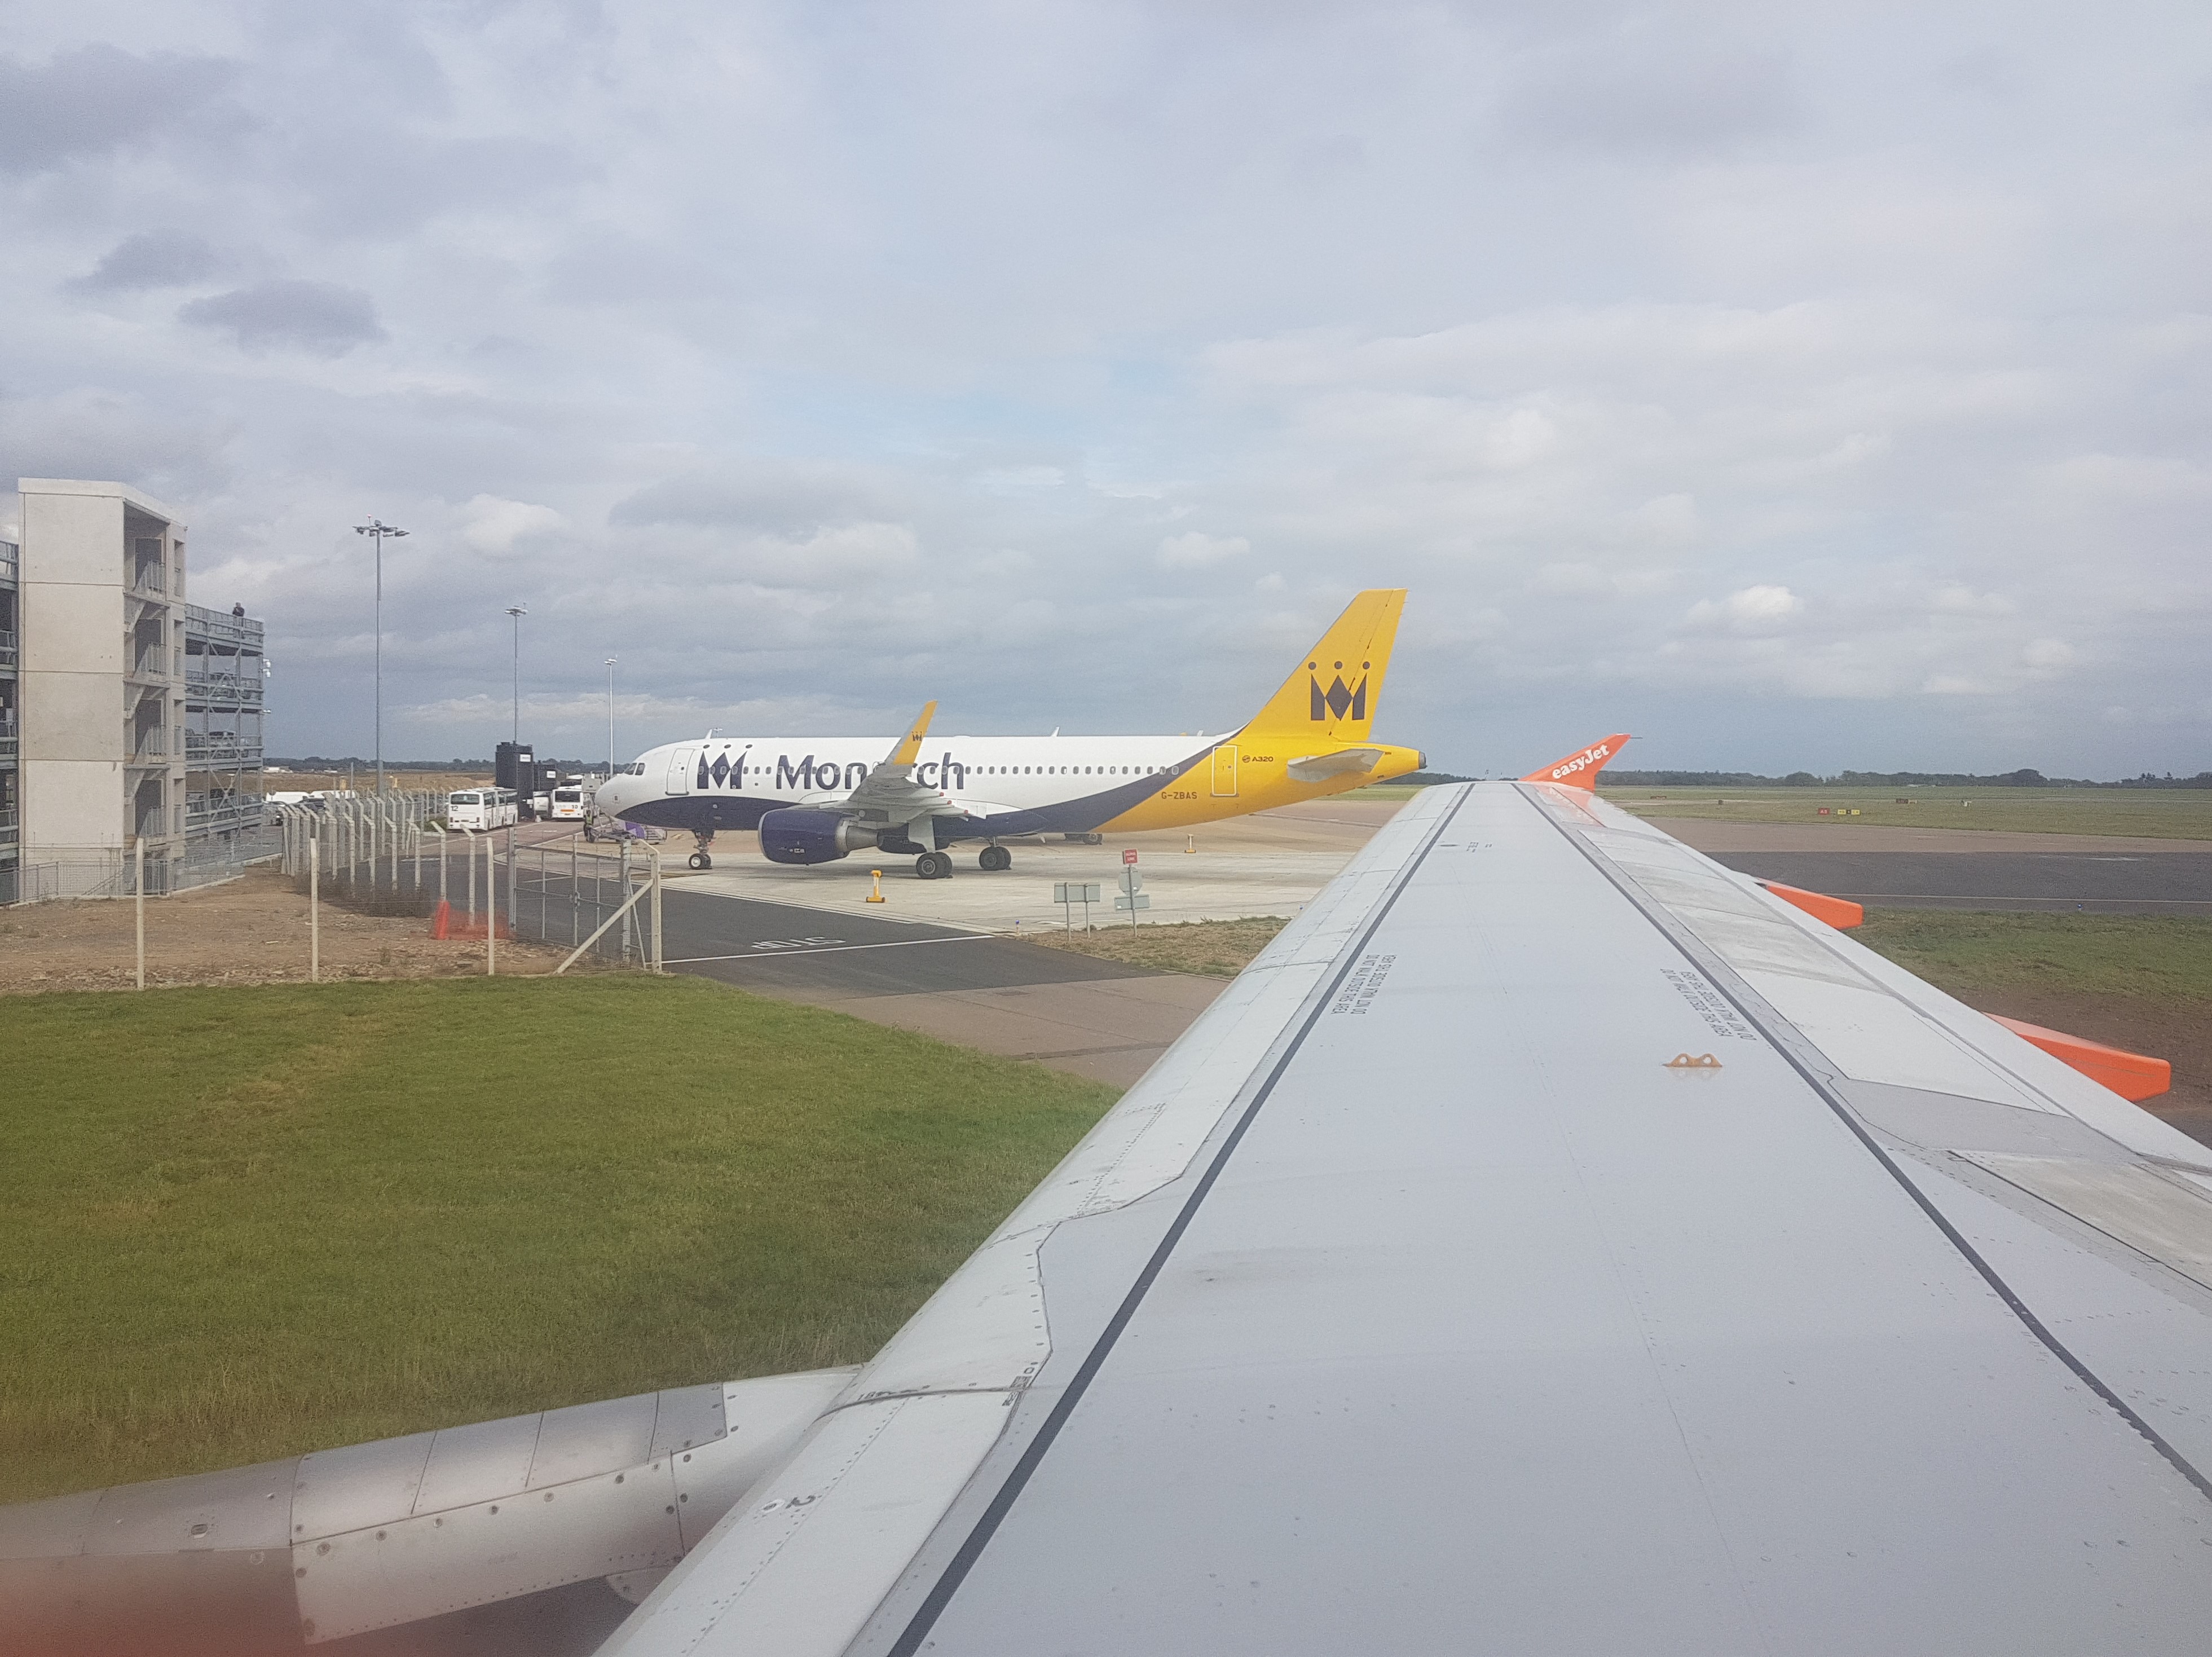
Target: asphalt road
[[783, 947], [2131, 883]]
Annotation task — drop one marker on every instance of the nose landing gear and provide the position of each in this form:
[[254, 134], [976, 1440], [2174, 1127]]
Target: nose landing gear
[[703, 858], [994, 860]]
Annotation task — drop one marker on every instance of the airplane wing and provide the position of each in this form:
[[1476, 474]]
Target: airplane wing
[[890, 790], [1555, 1242]]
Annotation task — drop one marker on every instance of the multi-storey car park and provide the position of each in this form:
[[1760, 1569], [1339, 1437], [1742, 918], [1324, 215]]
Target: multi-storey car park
[[127, 715]]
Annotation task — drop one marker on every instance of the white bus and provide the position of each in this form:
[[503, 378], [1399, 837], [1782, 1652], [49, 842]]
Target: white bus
[[569, 804], [477, 809]]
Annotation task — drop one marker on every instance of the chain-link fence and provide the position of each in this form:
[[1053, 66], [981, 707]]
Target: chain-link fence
[[117, 874], [391, 854]]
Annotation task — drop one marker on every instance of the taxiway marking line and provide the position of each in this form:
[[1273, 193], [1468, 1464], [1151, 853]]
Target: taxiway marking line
[[831, 948]]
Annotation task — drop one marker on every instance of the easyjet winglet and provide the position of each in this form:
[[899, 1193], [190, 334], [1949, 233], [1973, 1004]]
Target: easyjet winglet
[[1580, 770]]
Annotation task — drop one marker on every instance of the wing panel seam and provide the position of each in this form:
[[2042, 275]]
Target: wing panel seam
[[971, 1549], [1724, 980]]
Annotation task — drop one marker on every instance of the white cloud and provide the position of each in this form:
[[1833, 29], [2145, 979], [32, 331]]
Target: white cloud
[[1752, 609], [1193, 550], [494, 526], [1786, 301]]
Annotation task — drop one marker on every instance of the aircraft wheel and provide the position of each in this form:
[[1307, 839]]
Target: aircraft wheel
[[994, 859], [701, 860], [932, 865]]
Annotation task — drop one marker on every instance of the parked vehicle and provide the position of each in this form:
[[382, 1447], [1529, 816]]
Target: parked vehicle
[[477, 810], [569, 804]]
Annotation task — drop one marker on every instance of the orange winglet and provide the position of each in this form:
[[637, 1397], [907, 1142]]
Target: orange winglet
[[1838, 912], [1580, 770], [2133, 1075]]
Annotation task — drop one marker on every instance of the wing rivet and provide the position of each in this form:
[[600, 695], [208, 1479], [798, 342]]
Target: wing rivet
[[1685, 1061]]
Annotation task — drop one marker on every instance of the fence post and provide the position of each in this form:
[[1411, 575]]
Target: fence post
[[314, 908], [491, 913], [138, 902], [658, 953]]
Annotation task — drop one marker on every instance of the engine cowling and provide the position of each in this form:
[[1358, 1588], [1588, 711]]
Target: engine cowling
[[807, 835]]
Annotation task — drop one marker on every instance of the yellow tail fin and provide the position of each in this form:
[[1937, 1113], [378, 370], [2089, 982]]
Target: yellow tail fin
[[1332, 695]]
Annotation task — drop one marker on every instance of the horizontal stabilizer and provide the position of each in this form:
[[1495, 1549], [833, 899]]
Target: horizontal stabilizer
[[1317, 768], [1579, 770], [2133, 1075], [1838, 912]]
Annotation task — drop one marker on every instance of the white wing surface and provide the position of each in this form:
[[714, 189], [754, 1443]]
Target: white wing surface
[[1421, 1300]]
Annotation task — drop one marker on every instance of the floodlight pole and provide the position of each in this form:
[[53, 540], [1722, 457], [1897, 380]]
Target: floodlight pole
[[518, 612], [611, 716], [376, 528]]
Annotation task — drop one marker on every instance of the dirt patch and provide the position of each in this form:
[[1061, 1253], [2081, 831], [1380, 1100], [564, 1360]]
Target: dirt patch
[[2179, 1032], [249, 930]]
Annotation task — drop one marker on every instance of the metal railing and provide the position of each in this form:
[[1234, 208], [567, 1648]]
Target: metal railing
[[221, 748], [202, 622], [11, 735], [11, 827], [217, 813], [9, 650], [149, 579], [223, 687], [152, 743]]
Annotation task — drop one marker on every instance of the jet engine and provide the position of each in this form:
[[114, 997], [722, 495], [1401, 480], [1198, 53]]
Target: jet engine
[[805, 834]]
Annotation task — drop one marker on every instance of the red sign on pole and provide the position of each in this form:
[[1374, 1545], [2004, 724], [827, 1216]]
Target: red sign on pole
[[1129, 857]]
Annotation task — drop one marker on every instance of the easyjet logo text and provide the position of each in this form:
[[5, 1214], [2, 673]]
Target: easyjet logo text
[[1583, 762]]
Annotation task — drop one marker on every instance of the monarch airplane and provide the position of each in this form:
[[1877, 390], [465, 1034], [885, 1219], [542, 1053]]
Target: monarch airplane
[[816, 799], [1554, 1242]]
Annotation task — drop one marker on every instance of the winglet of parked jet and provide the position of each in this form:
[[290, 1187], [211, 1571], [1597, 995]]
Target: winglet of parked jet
[[1580, 770], [909, 746]]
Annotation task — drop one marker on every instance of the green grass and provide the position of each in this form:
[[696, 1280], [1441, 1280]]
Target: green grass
[[2158, 957], [240, 1223], [1209, 948], [2153, 813]]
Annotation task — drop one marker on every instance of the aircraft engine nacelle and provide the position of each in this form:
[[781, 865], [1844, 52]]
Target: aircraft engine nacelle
[[805, 834]]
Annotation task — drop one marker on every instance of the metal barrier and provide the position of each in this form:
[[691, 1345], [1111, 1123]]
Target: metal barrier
[[390, 854]]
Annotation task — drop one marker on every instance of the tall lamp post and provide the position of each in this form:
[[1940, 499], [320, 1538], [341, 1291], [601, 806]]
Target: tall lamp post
[[518, 612], [378, 532], [611, 716]]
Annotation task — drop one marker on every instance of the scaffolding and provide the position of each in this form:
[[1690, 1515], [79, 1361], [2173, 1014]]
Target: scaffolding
[[224, 686]]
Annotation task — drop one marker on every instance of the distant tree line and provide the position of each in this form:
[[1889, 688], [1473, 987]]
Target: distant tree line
[[1888, 780]]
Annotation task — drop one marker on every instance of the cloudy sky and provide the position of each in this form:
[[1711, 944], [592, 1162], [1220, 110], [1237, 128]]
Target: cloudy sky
[[1814, 387]]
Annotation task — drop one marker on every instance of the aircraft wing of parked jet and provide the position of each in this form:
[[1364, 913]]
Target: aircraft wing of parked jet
[[1554, 1242]]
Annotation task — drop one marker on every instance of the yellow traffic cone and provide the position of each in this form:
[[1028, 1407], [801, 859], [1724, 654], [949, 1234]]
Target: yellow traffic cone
[[1190, 842], [876, 891]]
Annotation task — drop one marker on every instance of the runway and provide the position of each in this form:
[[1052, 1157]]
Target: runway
[[1963, 869]]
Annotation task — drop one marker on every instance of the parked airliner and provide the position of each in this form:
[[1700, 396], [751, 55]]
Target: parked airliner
[[816, 800]]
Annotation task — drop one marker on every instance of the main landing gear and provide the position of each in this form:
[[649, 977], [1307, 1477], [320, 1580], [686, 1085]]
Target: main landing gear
[[703, 859], [932, 865], [994, 859]]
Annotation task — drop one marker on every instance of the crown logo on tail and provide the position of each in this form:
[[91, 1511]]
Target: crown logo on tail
[[1337, 699]]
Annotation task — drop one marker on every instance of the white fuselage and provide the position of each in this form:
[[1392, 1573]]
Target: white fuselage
[[736, 778]]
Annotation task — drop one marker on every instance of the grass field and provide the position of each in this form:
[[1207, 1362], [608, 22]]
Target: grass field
[[2159, 957], [1209, 948], [240, 1223], [2152, 813]]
